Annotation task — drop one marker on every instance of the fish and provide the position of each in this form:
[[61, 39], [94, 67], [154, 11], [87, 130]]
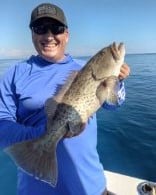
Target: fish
[[69, 111]]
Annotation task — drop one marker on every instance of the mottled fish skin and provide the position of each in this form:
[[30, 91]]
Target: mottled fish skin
[[68, 112]]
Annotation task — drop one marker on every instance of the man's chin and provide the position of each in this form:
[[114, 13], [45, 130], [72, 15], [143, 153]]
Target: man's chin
[[50, 49], [49, 56], [49, 53]]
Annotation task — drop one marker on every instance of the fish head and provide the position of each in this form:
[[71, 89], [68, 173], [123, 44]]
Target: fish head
[[108, 61]]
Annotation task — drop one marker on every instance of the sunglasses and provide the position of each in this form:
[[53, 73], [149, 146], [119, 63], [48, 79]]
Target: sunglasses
[[43, 29]]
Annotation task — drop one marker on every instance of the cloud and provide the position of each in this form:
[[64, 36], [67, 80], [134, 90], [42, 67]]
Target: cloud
[[15, 53]]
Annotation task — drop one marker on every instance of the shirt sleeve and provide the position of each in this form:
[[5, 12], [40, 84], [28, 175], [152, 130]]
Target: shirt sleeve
[[121, 98], [11, 131]]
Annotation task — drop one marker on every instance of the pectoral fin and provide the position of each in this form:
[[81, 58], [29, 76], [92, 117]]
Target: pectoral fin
[[101, 93], [107, 91], [113, 85]]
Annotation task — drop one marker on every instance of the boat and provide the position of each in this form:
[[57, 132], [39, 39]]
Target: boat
[[120, 184]]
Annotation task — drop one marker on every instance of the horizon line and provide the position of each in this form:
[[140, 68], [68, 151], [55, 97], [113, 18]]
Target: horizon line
[[75, 56]]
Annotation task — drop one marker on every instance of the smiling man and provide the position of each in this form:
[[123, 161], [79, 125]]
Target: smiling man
[[50, 47], [23, 92]]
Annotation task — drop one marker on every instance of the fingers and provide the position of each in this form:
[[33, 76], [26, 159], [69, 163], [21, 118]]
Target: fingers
[[124, 71]]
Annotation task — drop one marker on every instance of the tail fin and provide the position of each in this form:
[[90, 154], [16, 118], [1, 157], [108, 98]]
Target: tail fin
[[34, 160]]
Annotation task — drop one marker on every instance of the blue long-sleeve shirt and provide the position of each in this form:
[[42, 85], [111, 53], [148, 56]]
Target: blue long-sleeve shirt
[[23, 92]]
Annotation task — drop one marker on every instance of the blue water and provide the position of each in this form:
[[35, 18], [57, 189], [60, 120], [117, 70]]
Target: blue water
[[126, 137]]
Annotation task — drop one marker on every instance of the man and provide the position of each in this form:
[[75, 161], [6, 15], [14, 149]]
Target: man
[[23, 92]]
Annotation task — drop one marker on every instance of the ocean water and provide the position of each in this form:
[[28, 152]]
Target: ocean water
[[126, 136]]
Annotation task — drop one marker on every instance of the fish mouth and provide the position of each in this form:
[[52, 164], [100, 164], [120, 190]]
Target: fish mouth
[[117, 50], [121, 46]]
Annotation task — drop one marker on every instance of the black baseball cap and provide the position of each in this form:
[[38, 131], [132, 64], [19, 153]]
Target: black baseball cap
[[48, 10]]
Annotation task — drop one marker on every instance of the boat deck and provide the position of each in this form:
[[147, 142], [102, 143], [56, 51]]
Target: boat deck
[[122, 184]]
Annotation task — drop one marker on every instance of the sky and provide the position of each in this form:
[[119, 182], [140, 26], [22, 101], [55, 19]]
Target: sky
[[93, 24]]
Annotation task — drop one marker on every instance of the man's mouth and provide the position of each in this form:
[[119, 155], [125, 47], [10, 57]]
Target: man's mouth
[[49, 45]]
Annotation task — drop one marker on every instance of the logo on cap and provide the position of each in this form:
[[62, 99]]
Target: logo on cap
[[46, 9]]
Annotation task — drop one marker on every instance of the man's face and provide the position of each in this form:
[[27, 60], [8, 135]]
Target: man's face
[[50, 45]]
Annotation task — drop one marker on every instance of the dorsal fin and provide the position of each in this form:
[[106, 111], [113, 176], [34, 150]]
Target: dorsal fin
[[64, 88]]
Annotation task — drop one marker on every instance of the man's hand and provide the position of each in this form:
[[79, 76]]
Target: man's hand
[[124, 72]]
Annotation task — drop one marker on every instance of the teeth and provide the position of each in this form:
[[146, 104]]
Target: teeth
[[49, 45]]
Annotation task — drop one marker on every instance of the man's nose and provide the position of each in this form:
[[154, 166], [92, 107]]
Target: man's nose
[[49, 34]]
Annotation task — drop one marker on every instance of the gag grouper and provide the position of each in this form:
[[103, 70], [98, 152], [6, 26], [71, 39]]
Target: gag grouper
[[68, 112]]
